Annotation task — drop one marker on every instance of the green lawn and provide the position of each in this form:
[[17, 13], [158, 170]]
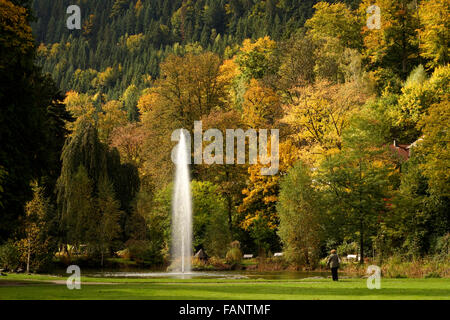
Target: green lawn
[[20, 287]]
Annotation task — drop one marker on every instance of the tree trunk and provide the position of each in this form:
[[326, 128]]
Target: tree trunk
[[66, 248], [361, 222], [28, 256], [229, 209], [361, 242], [229, 204]]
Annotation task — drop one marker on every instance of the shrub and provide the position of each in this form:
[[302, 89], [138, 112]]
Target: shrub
[[442, 247], [347, 248], [144, 251], [432, 274], [9, 256], [234, 256], [218, 263], [124, 254], [235, 244], [41, 256], [200, 265]]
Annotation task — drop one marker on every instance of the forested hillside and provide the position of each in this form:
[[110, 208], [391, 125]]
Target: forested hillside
[[122, 42]]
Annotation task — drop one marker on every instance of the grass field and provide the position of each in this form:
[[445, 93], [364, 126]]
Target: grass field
[[17, 287]]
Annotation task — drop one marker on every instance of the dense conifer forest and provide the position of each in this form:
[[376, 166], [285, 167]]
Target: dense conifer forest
[[125, 41]]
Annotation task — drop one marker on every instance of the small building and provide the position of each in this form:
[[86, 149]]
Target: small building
[[402, 150], [201, 255]]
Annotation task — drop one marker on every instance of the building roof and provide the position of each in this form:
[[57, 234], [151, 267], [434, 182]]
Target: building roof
[[403, 150]]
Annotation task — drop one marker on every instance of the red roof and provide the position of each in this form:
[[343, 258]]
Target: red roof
[[401, 149]]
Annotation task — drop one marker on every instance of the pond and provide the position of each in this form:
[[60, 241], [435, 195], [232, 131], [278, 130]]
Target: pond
[[240, 274]]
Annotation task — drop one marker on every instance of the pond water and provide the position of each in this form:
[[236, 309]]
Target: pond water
[[241, 274]]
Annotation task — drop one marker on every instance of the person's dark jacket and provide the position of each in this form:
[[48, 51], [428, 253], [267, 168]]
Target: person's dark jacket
[[333, 261]]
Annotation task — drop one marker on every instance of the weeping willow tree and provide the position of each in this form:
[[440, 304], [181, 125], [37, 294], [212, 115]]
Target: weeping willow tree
[[86, 162]]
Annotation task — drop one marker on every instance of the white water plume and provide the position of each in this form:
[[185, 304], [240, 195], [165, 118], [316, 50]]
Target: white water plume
[[182, 211]]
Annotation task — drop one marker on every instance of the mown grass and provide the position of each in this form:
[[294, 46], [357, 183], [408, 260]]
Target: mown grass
[[20, 287]]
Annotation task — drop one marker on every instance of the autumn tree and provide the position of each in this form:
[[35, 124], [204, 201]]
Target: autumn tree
[[434, 37], [433, 147], [296, 63], [81, 107], [190, 87], [394, 46], [261, 107], [36, 248], [335, 20], [417, 95], [128, 140], [335, 31], [228, 178], [320, 115], [257, 214], [111, 117]]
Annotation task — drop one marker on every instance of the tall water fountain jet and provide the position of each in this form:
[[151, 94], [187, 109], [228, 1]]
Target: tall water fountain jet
[[182, 211]]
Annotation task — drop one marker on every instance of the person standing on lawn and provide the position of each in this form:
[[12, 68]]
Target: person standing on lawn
[[333, 262]]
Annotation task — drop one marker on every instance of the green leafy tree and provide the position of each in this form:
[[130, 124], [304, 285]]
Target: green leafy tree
[[79, 220], [32, 118], [130, 100], [394, 46], [109, 214], [337, 21], [85, 149], [356, 181], [299, 211], [417, 215], [210, 228], [256, 59]]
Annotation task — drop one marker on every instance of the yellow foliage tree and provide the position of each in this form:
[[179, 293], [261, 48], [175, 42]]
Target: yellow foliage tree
[[320, 114], [189, 88], [111, 117], [434, 147], [15, 32], [257, 213], [81, 107], [335, 21], [434, 34], [34, 248], [395, 44], [261, 107]]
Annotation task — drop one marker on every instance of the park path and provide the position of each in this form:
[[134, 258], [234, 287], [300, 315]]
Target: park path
[[24, 283]]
